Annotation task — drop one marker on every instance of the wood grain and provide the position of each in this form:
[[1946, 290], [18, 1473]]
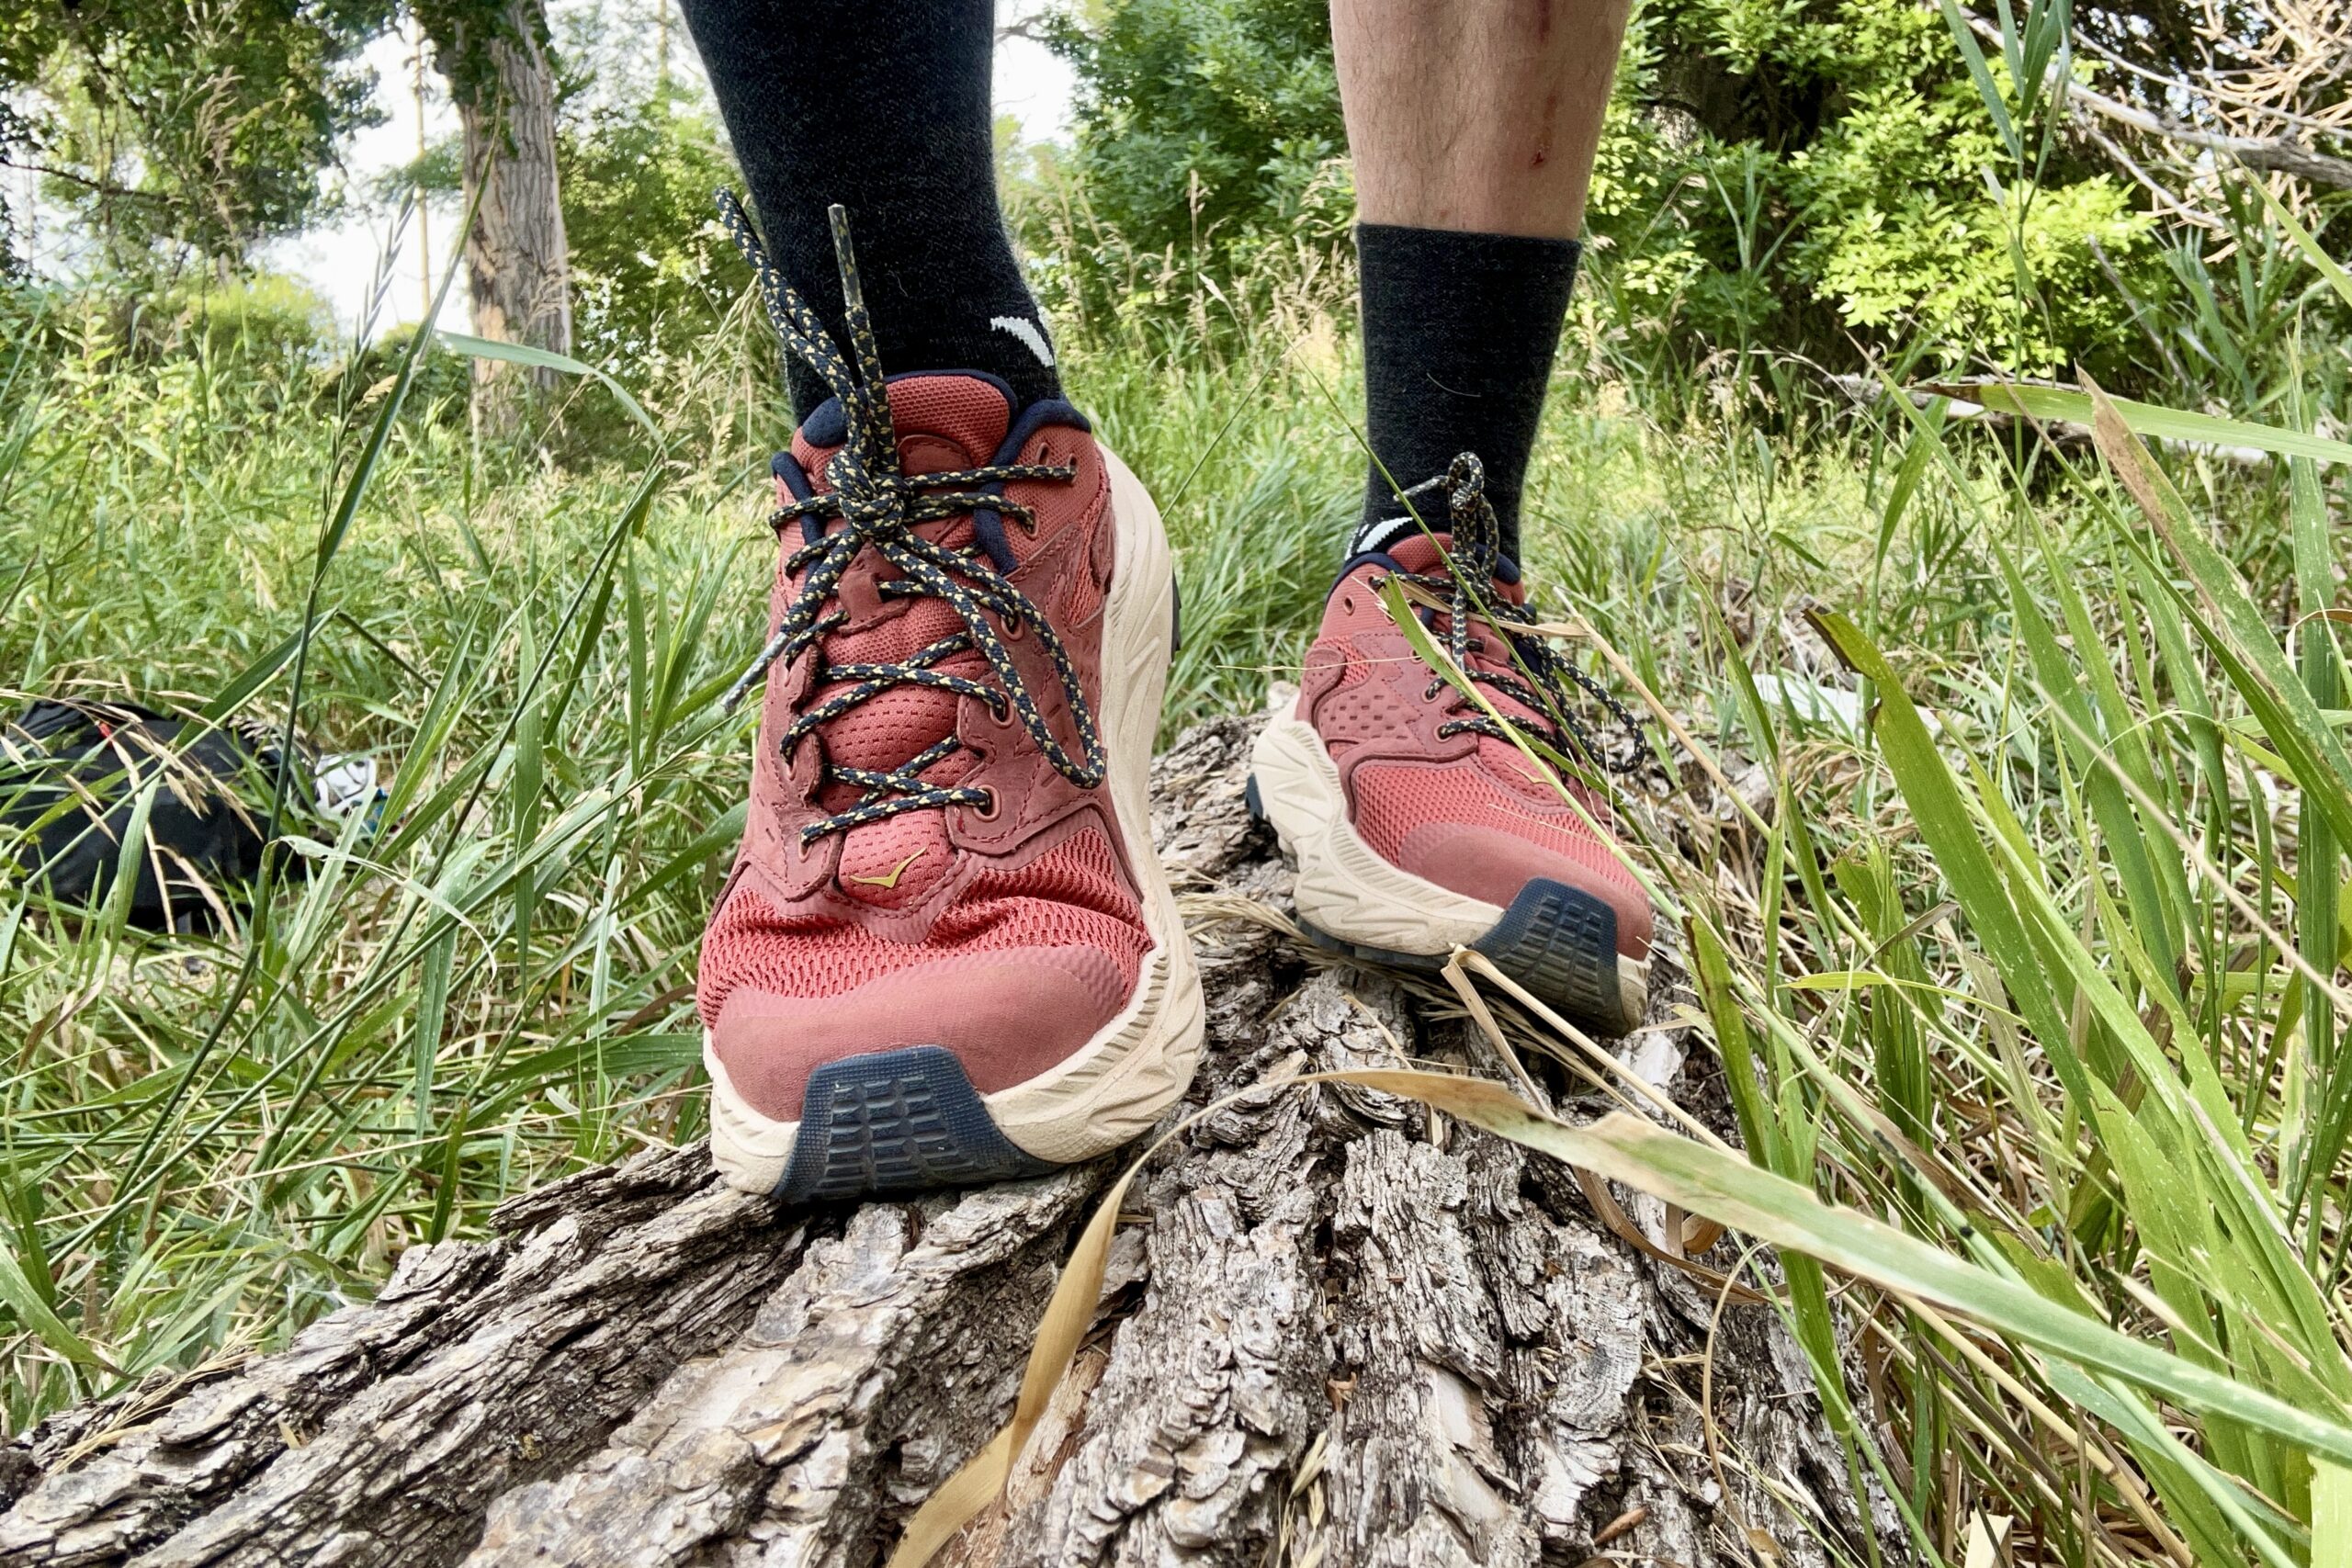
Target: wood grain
[[1339, 1330]]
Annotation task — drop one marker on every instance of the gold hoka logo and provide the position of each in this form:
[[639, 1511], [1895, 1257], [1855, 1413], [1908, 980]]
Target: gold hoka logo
[[897, 872]]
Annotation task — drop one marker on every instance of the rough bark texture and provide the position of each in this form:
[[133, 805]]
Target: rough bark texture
[[517, 259], [1338, 1330]]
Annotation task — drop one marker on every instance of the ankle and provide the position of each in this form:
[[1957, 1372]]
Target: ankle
[[1459, 332]]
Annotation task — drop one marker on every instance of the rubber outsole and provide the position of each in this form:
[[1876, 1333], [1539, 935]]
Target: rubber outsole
[[1558, 941], [897, 1122]]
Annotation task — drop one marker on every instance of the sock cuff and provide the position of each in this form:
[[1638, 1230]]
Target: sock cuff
[[1383, 527], [1519, 257], [1459, 332]]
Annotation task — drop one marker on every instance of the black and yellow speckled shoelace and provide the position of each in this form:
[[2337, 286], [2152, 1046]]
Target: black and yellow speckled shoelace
[[879, 507], [1475, 554]]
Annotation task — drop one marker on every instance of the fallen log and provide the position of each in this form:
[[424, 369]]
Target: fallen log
[[1339, 1330]]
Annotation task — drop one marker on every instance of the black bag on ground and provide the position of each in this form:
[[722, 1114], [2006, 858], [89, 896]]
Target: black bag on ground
[[71, 777]]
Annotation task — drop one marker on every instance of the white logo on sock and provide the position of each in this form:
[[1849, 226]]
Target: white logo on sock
[[1031, 338], [1382, 534]]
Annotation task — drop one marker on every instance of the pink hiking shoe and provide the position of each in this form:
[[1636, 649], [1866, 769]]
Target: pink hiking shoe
[[947, 952], [1416, 825]]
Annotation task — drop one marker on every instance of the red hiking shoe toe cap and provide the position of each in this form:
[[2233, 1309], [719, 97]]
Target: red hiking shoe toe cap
[[1494, 865], [1008, 1016], [1460, 825]]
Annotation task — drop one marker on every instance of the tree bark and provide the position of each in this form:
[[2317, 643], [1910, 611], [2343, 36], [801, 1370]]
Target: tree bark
[[1339, 1330], [518, 267]]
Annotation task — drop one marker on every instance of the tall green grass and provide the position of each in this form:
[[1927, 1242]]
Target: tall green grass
[[2051, 975], [2030, 945], [206, 1143]]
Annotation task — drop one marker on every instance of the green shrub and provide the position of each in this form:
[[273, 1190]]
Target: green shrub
[[1812, 174], [441, 389], [1208, 182], [259, 318], [651, 270]]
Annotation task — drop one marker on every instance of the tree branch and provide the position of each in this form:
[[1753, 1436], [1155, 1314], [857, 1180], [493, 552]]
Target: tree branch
[[95, 187], [2281, 154]]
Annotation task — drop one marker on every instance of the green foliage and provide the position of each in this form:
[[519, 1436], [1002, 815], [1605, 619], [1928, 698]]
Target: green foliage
[[266, 317], [1200, 115], [1209, 148], [652, 272], [462, 32], [185, 130], [441, 392], [200, 127], [1811, 174], [2244, 323], [1839, 182], [639, 154]]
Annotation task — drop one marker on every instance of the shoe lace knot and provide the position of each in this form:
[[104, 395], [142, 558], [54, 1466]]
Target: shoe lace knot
[[879, 507], [1524, 667]]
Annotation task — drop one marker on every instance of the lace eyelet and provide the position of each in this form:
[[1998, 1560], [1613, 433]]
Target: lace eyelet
[[1014, 631], [995, 807]]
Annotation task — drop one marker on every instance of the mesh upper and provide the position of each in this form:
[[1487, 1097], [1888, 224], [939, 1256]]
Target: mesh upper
[[1073, 895], [1356, 708], [1392, 799]]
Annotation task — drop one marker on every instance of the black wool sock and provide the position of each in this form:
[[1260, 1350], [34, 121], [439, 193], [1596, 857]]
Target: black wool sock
[[882, 105], [1459, 332]]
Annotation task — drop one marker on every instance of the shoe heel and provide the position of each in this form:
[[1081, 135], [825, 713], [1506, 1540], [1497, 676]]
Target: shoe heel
[[893, 1121]]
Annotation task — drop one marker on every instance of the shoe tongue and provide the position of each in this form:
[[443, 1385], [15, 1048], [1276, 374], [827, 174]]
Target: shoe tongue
[[1416, 553], [943, 422]]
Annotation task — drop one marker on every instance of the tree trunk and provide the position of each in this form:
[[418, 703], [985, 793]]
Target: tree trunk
[[517, 268], [1339, 1330]]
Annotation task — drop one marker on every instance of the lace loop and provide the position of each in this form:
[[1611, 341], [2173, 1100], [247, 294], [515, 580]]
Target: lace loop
[[1475, 555], [880, 508]]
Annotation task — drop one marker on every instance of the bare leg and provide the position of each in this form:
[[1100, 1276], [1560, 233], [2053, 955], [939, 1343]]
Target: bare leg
[[1474, 125], [1478, 115]]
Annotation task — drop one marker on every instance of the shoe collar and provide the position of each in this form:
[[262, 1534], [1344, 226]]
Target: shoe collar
[[827, 427], [1417, 554]]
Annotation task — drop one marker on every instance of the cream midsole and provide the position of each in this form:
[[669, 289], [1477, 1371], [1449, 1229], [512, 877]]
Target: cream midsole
[[1139, 1064], [1344, 888]]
